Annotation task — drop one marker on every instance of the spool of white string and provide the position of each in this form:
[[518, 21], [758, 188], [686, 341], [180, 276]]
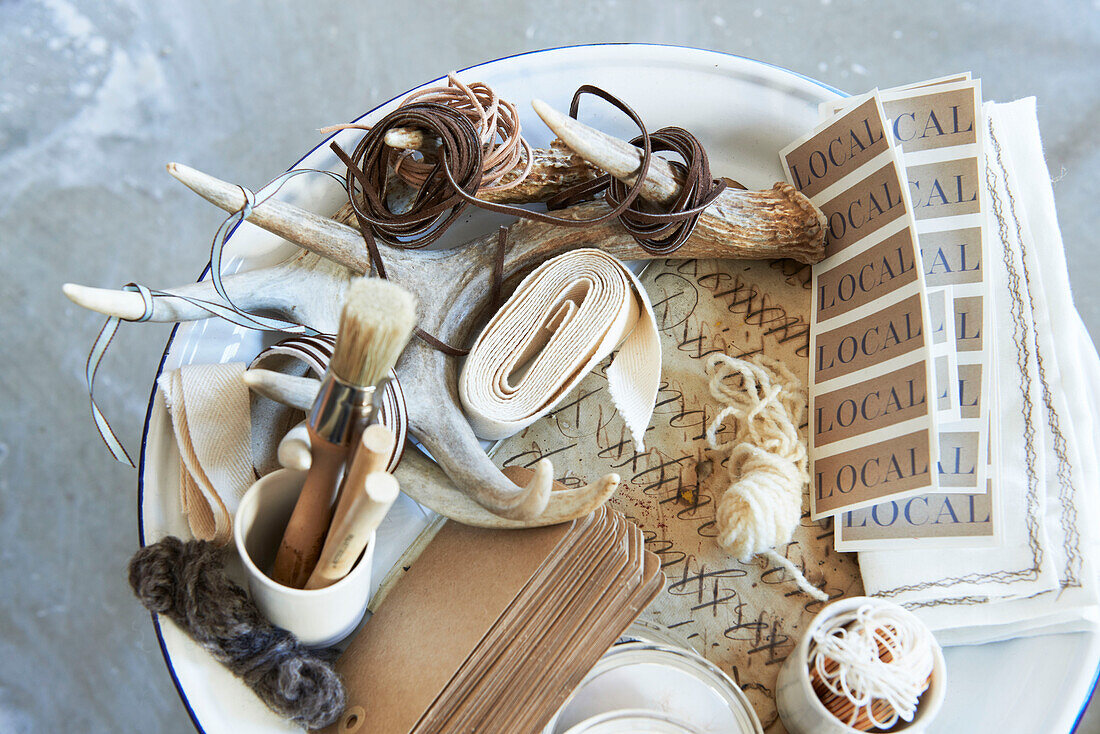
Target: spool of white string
[[877, 653], [760, 509], [562, 320]]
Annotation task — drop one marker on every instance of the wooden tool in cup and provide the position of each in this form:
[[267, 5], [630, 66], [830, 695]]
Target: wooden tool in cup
[[375, 325], [365, 498]]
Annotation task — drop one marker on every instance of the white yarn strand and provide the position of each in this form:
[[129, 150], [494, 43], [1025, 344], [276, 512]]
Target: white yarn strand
[[767, 464], [880, 653]]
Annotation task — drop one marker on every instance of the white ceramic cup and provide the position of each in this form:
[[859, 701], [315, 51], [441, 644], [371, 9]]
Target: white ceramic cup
[[803, 712], [318, 617]]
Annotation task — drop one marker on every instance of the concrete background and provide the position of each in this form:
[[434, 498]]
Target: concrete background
[[95, 96]]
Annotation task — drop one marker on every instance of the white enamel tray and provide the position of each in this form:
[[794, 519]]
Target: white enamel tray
[[744, 111]]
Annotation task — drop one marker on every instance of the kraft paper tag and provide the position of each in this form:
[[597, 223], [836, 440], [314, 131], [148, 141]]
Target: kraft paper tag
[[404, 657], [489, 627]]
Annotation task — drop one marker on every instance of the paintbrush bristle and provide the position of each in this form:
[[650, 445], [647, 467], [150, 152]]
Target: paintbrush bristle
[[376, 323]]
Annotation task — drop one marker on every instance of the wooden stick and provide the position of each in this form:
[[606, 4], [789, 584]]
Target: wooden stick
[[347, 539], [372, 454]]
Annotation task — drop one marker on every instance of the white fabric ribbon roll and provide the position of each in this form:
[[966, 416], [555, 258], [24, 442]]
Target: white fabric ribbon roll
[[564, 318]]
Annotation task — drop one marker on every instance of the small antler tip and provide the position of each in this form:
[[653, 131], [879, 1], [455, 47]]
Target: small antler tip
[[81, 295], [295, 455], [548, 114], [179, 171]]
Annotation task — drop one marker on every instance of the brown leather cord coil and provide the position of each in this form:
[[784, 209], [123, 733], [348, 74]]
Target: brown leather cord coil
[[456, 176], [661, 233]]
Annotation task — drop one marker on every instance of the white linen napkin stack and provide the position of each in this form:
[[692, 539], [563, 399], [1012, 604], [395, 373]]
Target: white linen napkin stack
[[1041, 578]]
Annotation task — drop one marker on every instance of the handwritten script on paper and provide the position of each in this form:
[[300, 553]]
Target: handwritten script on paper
[[744, 617]]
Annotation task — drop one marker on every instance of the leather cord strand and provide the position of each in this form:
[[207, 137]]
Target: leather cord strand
[[456, 176]]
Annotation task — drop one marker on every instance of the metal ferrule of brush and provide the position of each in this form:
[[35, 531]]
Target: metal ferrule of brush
[[341, 409]]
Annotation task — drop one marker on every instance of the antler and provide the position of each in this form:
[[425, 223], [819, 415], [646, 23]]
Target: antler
[[773, 223], [453, 285], [467, 461], [423, 481], [307, 288], [426, 483]]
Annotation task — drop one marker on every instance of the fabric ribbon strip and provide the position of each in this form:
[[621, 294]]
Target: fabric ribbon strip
[[562, 320], [208, 404]]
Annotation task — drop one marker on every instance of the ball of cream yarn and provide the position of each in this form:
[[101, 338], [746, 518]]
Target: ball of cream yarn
[[767, 464]]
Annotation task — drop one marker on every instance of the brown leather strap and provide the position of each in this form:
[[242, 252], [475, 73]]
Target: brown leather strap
[[456, 178]]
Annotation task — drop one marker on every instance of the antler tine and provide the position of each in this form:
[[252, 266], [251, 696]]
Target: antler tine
[[425, 482], [306, 288], [777, 222], [293, 451], [454, 447], [326, 237], [411, 138], [291, 390], [130, 306], [618, 157]]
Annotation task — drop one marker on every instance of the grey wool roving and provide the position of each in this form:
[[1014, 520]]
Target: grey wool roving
[[187, 583]]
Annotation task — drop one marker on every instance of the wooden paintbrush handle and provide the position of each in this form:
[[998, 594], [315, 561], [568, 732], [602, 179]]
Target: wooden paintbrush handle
[[305, 532], [349, 536], [377, 443], [371, 454]]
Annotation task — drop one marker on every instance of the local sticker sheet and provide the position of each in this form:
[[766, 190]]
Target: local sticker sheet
[[934, 123], [872, 403], [940, 520]]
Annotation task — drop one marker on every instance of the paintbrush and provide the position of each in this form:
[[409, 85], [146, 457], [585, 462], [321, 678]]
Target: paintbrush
[[375, 325]]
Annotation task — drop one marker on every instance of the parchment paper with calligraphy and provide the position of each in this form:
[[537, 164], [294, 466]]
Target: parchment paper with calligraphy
[[744, 617]]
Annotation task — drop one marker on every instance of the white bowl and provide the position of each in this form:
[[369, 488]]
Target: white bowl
[[317, 617]]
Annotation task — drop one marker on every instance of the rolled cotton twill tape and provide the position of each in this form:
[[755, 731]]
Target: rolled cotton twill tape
[[563, 319], [315, 352]]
